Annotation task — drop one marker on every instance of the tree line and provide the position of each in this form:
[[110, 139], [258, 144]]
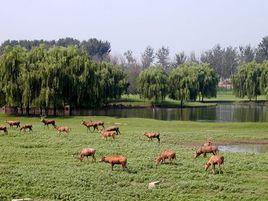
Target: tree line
[[189, 81], [251, 80], [57, 76], [225, 61]]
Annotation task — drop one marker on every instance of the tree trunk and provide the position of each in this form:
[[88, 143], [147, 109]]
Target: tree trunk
[[41, 111], [46, 111], [27, 110], [181, 103], [21, 110], [70, 110], [54, 110]]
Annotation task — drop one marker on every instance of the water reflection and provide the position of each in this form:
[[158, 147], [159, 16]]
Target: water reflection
[[221, 112], [245, 148]]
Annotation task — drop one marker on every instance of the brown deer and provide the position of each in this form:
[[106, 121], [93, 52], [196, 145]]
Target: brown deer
[[89, 124], [113, 128], [86, 152], [106, 134], [98, 123], [3, 128], [62, 129], [119, 160], [215, 160], [166, 154], [206, 149], [152, 135], [48, 122], [13, 123], [26, 126]]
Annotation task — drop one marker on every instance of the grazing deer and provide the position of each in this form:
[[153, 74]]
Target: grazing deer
[[206, 149], [13, 123], [86, 152], [119, 160], [113, 128], [3, 128], [98, 123], [166, 154], [48, 122], [106, 134], [89, 124], [26, 126], [215, 160], [152, 135], [62, 129]]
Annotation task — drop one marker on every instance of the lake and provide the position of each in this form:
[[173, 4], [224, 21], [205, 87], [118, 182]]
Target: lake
[[245, 148], [223, 112]]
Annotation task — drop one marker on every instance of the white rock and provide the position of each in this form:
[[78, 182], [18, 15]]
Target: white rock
[[153, 184]]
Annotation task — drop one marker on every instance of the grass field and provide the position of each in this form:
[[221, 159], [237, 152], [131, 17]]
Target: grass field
[[40, 164]]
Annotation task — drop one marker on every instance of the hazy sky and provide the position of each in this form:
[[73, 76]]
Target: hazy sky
[[189, 25]]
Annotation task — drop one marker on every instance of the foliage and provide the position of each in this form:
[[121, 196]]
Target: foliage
[[191, 80], [247, 81], [153, 83], [98, 50], [57, 77]]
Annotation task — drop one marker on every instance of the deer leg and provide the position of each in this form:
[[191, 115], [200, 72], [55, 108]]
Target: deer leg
[[205, 155], [112, 165], [213, 169], [93, 158]]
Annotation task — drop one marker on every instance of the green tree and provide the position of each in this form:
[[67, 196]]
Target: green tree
[[11, 65], [246, 81], [153, 84], [183, 83]]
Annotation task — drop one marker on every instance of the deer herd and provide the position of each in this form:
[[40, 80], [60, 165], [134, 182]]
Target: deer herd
[[111, 132]]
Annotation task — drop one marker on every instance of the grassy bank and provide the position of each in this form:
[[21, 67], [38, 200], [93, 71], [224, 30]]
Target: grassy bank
[[136, 101], [222, 96], [40, 165]]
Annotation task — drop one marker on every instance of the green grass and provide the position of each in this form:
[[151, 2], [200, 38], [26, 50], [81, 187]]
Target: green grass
[[40, 164], [228, 95], [134, 101]]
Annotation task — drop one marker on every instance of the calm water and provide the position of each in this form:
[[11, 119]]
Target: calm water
[[221, 113], [245, 148]]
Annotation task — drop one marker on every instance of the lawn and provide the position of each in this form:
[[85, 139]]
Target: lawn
[[40, 164]]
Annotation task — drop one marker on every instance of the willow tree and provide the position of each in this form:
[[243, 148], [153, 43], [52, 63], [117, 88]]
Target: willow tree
[[246, 81], [182, 81], [153, 84], [207, 81], [10, 75], [264, 78], [31, 77]]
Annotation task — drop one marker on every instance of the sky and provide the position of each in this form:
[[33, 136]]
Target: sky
[[188, 25]]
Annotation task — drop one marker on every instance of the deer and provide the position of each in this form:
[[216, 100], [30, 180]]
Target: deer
[[206, 149], [86, 152], [215, 160], [98, 123], [26, 126], [62, 129], [152, 135], [89, 124], [3, 128], [13, 123], [48, 122], [106, 134], [113, 160], [113, 128], [166, 154]]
